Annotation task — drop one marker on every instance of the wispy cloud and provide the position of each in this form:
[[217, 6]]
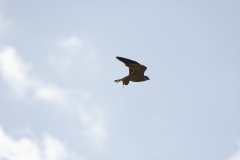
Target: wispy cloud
[[49, 148], [71, 45], [73, 52], [236, 156], [4, 23], [17, 75], [94, 121]]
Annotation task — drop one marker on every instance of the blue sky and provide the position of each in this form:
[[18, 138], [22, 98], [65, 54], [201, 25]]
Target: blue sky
[[58, 66]]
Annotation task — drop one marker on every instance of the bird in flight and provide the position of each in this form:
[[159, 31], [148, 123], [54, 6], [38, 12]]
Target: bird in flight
[[136, 71]]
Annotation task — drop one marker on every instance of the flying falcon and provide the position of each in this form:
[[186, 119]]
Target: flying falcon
[[136, 71]]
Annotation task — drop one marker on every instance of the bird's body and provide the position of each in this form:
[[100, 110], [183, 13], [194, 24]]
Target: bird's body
[[136, 71]]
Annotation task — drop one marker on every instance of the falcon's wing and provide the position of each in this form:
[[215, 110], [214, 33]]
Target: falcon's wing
[[134, 67], [126, 61], [130, 71], [138, 69]]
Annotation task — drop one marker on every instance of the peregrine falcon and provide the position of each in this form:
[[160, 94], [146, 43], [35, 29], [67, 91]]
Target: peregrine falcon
[[136, 71]]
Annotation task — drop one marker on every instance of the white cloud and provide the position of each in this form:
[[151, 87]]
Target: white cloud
[[17, 75], [236, 156], [14, 71], [74, 53], [50, 148], [53, 148]]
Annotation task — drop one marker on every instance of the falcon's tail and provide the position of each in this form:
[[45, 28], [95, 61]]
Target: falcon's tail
[[118, 80], [124, 80]]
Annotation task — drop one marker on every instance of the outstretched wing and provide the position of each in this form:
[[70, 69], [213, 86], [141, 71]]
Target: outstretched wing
[[134, 67], [126, 61]]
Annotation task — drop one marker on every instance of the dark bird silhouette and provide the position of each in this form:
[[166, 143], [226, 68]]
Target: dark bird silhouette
[[136, 71]]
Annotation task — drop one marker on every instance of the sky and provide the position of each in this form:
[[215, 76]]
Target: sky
[[58, 66]]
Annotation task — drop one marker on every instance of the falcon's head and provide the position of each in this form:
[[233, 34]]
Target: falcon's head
[[146, 78]]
